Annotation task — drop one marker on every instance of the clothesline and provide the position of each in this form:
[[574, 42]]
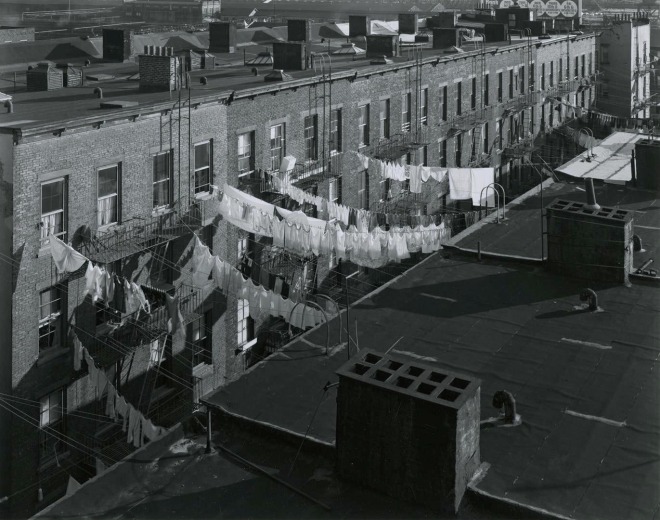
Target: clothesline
[[136, 426], [304, 235], [261, 300]]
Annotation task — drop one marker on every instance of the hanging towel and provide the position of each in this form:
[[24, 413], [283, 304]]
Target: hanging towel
[[482, 178], [460, 184], [67, 259]]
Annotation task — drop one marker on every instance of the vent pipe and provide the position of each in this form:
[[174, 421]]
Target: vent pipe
[[591, 195], [9, 106], [590, 296], [504, 399], [99, 92]]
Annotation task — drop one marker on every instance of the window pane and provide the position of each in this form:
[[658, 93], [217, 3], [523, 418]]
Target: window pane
[[52, 197], [202, 155], [108, 181], [161, 166], [161, 193]]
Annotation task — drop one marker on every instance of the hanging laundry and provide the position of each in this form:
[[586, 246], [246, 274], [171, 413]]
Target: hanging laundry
[[110, 402], [66, 258], [77, 353], [202, 263], [175, 321]]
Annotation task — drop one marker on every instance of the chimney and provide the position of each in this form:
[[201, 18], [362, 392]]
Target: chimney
[[446, 37], [158, 70], [299, 31], [117, 45], [379, 45], [589, 241], [431, 453], [647, 164], [358, 26], [591, 194], [222, 37], [408, 23], [289, 56]]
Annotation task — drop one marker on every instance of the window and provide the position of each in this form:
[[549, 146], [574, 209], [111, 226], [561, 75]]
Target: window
[[442, 152], [332, 260], [277, 146], [245, 153], [473, 144], [486, 87], [511, 84], [203, 167], [107, 195], [424, 106], [568, 69], [406, 102], [498, 129], [576, 68], [473, 94], [484, 136], [363, 189], [53, 215], [443, 103], [162, 177], [583, 67], [311, 138], [52, 411], [459, 98], [363, 125], [241, 247], [604, 54], [552, 74], [335, 131], [561, 71], [458, 149], [499, 87], [542, 76], [50, 319], [200, 338], [384, 118], [425, 155], [522, 79], [334, 190], [385, 187], [244, 323], [531, 77]]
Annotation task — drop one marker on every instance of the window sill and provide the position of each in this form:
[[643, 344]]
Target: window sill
[[51, 353], [163, 210], [108, 227], [246, 346]]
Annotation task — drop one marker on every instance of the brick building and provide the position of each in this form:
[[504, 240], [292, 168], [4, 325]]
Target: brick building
[[129, 181]]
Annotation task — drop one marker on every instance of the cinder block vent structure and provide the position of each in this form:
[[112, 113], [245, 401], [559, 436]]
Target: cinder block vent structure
[[407, 429]]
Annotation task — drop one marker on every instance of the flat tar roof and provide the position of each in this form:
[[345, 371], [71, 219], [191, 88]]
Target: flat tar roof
[[585, 382]]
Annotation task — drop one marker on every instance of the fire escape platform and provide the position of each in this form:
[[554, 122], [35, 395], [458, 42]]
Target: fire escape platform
[[587, 446]]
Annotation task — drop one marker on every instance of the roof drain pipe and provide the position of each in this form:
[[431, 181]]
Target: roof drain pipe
[[9, 106], [99, 92], [589, 295], [505, 399]]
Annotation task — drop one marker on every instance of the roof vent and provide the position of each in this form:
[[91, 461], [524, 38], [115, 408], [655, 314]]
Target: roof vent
[[591, 194], [277, 75]]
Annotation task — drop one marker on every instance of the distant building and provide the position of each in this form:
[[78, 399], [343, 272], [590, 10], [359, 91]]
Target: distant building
[[171, 11]]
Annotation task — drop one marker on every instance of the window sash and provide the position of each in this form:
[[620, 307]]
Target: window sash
[[276, 146], [162, 174], [335, 130], [385, 118], [424, 108], [53, 196], [242, 329], [107, 206], [50, 318], [311, 138], [202, 167], [52, 411], [405, 112], [363, 125]]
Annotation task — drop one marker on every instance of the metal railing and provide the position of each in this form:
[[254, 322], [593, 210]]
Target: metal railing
[[140, 233], [395, 146]]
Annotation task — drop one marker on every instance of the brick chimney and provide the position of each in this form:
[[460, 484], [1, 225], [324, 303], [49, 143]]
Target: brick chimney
[[408, 429], [589, 241], [159, 69]]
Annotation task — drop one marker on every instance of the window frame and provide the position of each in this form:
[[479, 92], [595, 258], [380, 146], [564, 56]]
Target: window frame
[[116, 195], [311, 138], [336, 130], [208, 168], [280, 147], [201, 331], [442, 153], [244, 332], [363, 125], [500, 86], [473, 94], [424, 106], [406, 112], [54, 321], [245, 153], [384, 119], [44, 225], [459, 98], [443, 102], [168, 179], [52, 431]]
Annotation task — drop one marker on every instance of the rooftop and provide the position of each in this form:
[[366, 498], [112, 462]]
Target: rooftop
[[50, 110], [585, 382]]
